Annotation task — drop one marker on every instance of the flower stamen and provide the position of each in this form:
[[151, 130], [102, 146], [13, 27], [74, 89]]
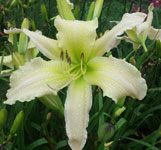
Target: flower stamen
[[83, 70]]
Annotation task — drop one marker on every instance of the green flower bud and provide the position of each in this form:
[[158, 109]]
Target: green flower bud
[[44, 13], [105, 132], [64, 9], [121, 101], [18, 60], [119, 111], [13, 4], [23, 40], [53, 102], [76, 11], [98, 9], [16, 124], [25, 6], [25, 24], [91, 11], [33, 26], [3, 116], [132, 60]]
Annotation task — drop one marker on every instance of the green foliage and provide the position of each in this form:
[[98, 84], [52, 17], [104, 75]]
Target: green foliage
[[136, 128]]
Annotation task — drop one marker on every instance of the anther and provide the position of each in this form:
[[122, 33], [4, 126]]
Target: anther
[[82, 56], [67, 56], [62, 55], [69, 60]]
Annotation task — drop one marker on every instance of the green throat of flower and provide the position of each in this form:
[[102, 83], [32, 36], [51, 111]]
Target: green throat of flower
[[75, 70]]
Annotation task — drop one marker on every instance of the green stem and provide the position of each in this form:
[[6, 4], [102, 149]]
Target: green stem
[[129, 55], [144, 46]]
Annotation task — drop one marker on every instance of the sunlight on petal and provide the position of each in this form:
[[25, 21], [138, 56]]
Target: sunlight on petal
[[77, 106], [116, 77], [35, 79]]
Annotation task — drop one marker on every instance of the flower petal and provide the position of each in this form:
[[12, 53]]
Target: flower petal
[[77, 106], [6, 72], [35, 79], [109, 40], [142, 29], [30, 43], [7, 61], [155, 34], [47, 46], [70, 4], [116, 77], [76, 37], [136, 44]]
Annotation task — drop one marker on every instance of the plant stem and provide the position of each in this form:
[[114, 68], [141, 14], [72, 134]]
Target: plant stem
[[144, 46], [129, 55]]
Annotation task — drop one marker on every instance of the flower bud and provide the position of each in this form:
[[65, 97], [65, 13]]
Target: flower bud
[[105, 132], [13, 4], [33, 26], [98, 8], [119, 111], [23, 40], [121, 101], [48, 116], [18, 60], [64, 9], [53, 102], [25, 24], [91, 10], [16, 124], [76, 11], [44, 13], [3, 116], [132, 60]]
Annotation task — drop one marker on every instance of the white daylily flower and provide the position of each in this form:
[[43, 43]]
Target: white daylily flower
[[138, 35], [77, 61]]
